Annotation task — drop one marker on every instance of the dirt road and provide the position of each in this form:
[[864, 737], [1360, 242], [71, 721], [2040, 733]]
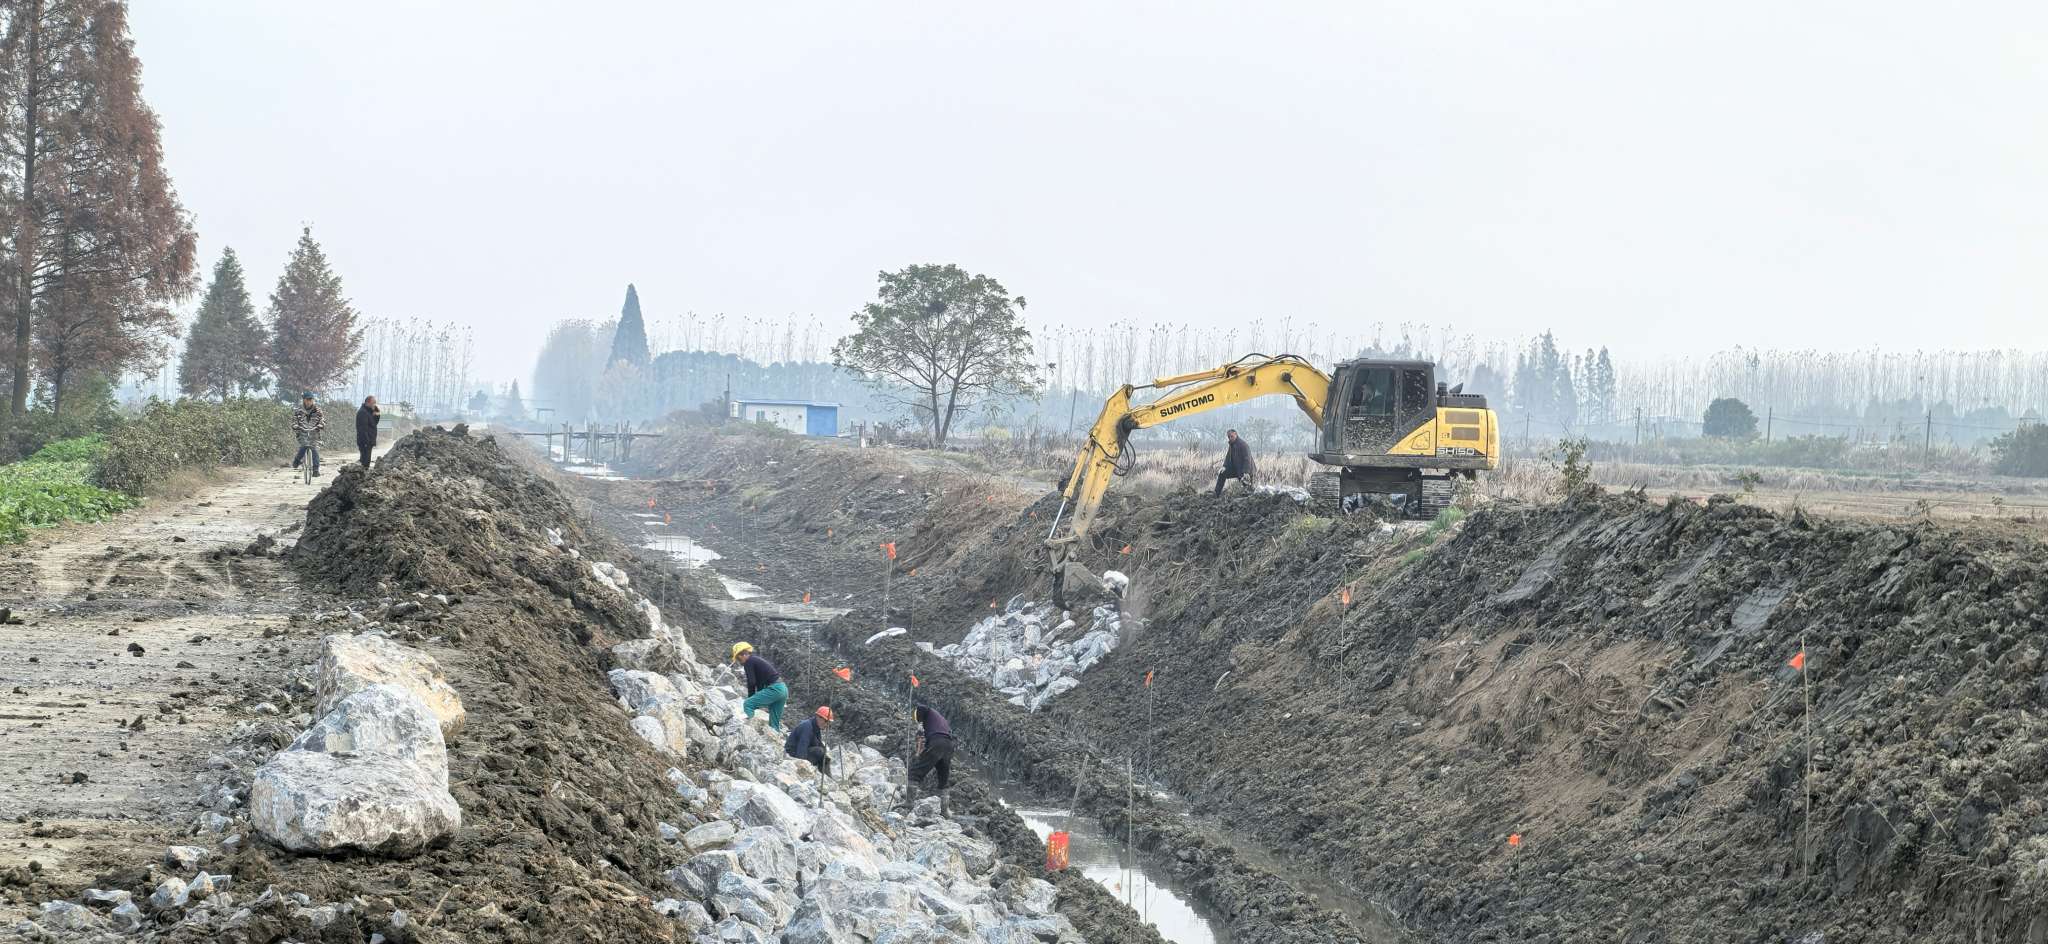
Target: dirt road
[[145, 641]]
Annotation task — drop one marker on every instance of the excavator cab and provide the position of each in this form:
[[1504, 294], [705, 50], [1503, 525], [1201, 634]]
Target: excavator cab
[[1390, 428]]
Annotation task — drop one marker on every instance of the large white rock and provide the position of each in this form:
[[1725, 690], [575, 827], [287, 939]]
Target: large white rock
[[752, 804], [349, 664], [308, 801], [814, 925], [383, 720]]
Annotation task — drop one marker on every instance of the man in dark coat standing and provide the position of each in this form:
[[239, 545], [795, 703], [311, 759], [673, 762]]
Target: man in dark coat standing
[[366, 428], [934, 755], [1237, 463]]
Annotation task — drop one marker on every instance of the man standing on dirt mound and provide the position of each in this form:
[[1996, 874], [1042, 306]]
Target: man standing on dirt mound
[[366, 428], [764, 684], [934, 755], [1237, 463]]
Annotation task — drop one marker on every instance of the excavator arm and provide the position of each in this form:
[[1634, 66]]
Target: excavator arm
[[1108, 447]]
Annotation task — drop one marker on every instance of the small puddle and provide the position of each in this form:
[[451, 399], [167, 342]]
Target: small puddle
[[1147, 888], [692, 554]]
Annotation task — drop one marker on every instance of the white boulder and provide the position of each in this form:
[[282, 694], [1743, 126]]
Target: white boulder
[[307, 801], [349, 664]]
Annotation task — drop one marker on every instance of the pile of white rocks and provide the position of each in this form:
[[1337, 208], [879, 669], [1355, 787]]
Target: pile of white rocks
[[372, 773], [783, 854], [1035, 651]]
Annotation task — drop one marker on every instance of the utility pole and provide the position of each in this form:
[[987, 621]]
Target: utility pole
[[1927, 440], [1770, 414], [1639, 426]]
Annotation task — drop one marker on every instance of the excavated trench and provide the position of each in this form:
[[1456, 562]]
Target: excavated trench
[[1197, 883], [1562, 721]]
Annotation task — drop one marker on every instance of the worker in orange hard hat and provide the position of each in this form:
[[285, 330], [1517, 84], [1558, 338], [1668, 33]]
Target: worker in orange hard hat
[[807, 740]]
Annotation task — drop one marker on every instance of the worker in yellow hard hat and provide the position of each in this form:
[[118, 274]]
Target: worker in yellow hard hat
[[764, 685]]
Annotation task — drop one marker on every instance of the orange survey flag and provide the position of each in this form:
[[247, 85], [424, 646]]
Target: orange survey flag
[[1514, 839], [1799, 661], [828, 532], [1148, 679], [1056, 852], [914, 682], [1347, 596], [1126, 550], [665, 519], [845, 675], [890, 549], [807, 596]]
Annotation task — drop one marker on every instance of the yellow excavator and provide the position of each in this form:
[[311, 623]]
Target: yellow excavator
[[1387, 427]]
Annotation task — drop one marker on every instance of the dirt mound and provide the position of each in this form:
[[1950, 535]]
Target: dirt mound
[[560, 800]]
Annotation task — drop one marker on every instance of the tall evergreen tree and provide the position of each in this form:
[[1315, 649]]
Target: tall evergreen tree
[[630, 343], [226, 351], [314, 339]]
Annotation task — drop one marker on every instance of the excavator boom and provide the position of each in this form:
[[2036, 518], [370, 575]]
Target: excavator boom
[[1186, 395]]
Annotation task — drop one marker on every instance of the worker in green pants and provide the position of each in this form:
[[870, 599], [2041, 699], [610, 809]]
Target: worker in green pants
[[764, 685]]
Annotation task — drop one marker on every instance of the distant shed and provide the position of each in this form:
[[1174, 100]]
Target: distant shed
[[798, 416]]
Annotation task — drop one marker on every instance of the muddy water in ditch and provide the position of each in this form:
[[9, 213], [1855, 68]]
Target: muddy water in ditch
[[1143, 884]]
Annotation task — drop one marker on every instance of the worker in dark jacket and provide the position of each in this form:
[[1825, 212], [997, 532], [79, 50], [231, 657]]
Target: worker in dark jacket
[[367, 416], [764, 685], [1237, 463], [806, 741], [934, 754]]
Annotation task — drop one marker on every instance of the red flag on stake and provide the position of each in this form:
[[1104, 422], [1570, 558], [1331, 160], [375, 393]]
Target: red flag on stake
[[1148, 678], [807, 596], [890, 549], [1514, 840], [828, 533], [1126, 550], [1347, 596], [1056, 852], [914, 682], [845, 675], [1799, 661]]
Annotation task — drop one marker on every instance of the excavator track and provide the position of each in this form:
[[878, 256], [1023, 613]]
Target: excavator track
[[1432, 497]]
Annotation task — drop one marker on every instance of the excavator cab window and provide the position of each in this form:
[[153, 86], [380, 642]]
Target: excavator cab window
[[1415, 390], [1372, 394]]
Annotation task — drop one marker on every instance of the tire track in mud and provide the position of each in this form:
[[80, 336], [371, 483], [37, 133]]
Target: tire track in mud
[[145, 639]]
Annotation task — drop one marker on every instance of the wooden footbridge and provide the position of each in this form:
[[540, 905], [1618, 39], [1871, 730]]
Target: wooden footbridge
[[599, 442]]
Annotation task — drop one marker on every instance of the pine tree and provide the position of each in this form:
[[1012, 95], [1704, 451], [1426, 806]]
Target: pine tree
[[630, 343], [225, 353], [315, 341]]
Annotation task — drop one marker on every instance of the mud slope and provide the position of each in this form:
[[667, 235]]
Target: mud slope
[[1605, 679]]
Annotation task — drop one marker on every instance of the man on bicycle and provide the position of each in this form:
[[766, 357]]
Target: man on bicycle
[[307, 422]]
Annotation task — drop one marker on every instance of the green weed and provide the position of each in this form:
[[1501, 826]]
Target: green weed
[[42, 491]]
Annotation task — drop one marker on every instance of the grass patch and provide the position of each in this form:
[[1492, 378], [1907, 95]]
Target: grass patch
[[54, 486], [1443, 521]]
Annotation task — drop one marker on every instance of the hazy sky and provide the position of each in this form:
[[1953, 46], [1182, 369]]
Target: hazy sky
[[1654, 176]]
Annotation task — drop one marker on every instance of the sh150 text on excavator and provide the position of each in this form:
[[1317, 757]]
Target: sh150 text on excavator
[[1385, 427]]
